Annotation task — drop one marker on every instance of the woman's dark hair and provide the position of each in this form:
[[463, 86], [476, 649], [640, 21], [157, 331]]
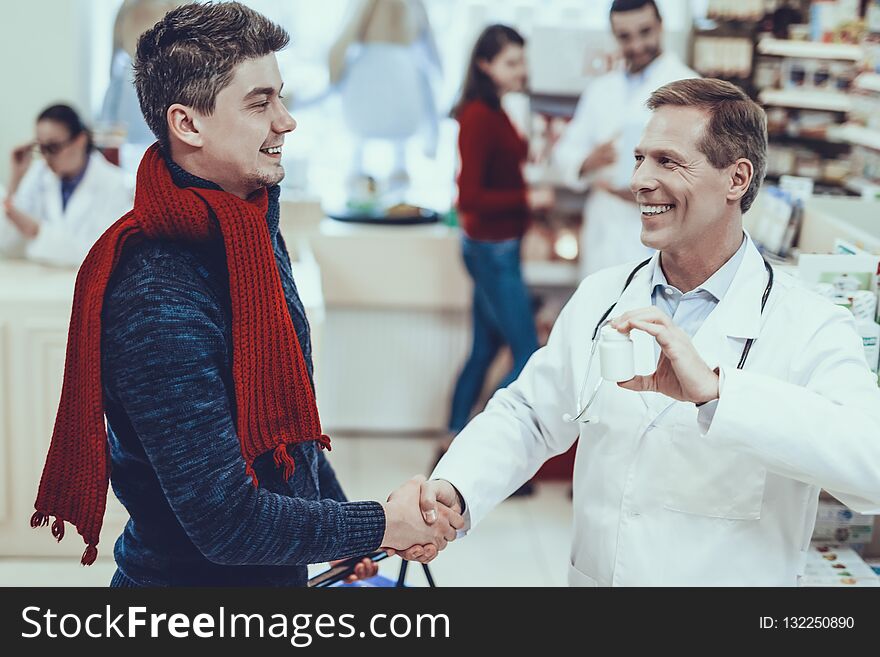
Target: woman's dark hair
[[478, 85], [67, 116]]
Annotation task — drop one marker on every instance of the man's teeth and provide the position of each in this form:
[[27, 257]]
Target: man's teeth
[[655, 209], [275, 150]]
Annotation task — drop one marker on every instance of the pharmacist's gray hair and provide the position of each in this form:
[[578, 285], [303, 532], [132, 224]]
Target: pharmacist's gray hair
[[737, 126], [190, 55]]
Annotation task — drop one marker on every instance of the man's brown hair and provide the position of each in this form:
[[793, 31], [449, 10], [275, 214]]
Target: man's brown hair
[[189, 56], [737, 125]]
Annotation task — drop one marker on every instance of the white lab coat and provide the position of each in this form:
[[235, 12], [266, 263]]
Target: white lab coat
[[103, 195], [657, 501], [611, 108]]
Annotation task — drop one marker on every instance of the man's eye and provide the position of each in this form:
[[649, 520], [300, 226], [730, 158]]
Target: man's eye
[[639, 158], [665, 161]]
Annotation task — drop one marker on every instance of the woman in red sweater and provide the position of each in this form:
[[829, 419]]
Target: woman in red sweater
[[494, 206]]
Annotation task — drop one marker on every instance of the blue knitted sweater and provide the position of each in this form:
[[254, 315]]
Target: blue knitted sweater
[[195, 517]]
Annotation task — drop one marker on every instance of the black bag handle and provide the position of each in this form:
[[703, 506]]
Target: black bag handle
[[346, 568]]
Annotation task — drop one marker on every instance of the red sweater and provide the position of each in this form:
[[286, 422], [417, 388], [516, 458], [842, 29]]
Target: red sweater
[[491, 190]]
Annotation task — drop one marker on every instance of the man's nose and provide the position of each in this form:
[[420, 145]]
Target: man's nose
[[643, 179], [285, 122]]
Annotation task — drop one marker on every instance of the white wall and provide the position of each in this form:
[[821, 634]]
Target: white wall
[[44, 58]]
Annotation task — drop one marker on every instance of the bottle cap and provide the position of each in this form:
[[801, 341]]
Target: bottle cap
[[610, 333]]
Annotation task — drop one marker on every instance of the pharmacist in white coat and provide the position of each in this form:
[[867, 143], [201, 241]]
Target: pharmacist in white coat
[[751, 392], [595, 150], [57, 208]]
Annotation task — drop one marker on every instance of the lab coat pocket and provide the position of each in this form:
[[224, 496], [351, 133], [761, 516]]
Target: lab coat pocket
[[577, 579], [706, 480]]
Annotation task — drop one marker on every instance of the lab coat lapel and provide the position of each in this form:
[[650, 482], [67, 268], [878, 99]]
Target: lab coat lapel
[[737, 317], [54, 211]]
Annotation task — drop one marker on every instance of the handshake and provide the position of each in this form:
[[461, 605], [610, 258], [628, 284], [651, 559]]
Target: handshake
[[421, 517]]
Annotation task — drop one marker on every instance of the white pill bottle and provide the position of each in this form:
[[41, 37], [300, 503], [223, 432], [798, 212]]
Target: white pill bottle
[[616, 355]]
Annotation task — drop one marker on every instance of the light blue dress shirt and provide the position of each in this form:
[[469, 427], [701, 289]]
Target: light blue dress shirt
[[689, 310]]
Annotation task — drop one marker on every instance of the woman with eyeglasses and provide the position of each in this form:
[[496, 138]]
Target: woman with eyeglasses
[[58, 206]]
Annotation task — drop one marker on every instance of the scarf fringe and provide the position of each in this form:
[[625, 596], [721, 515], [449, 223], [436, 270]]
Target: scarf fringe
[[283, 458], [249, 471], [90, 555], [58, 528], [39, 520]]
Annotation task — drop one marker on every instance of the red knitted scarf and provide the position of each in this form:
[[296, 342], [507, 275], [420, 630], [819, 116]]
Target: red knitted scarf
[[275, 402]]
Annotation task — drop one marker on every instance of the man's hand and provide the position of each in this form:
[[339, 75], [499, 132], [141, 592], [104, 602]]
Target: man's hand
[[405, 526], [603, 155], [365, 569], [436, 496], [681, 373]]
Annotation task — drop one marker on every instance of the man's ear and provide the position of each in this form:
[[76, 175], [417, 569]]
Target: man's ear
[[741, 175], [184, 124]]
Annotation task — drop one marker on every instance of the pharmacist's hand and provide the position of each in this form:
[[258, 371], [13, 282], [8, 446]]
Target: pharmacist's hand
[[623, 193], [603, 155], [541, 198], [436, 497], [20, 160], [406, 527], [681, 373], [365, 569]]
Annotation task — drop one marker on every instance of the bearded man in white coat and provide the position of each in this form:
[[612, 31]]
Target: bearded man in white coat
[[751, 393], [595, 150]]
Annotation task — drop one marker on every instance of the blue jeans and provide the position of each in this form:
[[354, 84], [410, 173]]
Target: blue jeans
[[502, 314]]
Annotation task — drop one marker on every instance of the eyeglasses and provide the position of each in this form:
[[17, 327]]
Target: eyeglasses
[[52, 147]]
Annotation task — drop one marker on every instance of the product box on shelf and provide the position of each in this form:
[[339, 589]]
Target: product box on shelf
[[837, 523], [837, 565]]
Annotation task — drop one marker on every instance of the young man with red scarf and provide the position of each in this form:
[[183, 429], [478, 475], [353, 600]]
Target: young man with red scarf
[[189, 335]]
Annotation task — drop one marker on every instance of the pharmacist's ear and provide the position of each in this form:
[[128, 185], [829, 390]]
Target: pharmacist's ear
[[741, 173]]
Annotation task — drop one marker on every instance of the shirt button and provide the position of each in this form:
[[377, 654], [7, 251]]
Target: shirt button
[[634, 514], [668, 291]]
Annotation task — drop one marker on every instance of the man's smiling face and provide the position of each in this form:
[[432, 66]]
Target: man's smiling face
[[242, 137], [681, 195]]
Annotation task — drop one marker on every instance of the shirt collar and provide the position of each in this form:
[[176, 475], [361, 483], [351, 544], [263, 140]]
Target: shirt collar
[[71, 183], [718, 283], [641, 76]]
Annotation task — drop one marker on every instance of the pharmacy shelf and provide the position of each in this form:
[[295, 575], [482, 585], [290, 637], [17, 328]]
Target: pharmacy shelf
[[856, 134], [865, 188], [868, 82], [830, 101], [810, 49]]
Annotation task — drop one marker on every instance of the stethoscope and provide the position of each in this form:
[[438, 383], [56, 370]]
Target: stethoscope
[[605, 319]]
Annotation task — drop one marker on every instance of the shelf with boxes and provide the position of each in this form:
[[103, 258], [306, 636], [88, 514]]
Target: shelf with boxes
[[862, 131], [805, 88]]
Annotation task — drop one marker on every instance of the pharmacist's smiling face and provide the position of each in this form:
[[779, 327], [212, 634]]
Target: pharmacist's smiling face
[[683, 198]]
